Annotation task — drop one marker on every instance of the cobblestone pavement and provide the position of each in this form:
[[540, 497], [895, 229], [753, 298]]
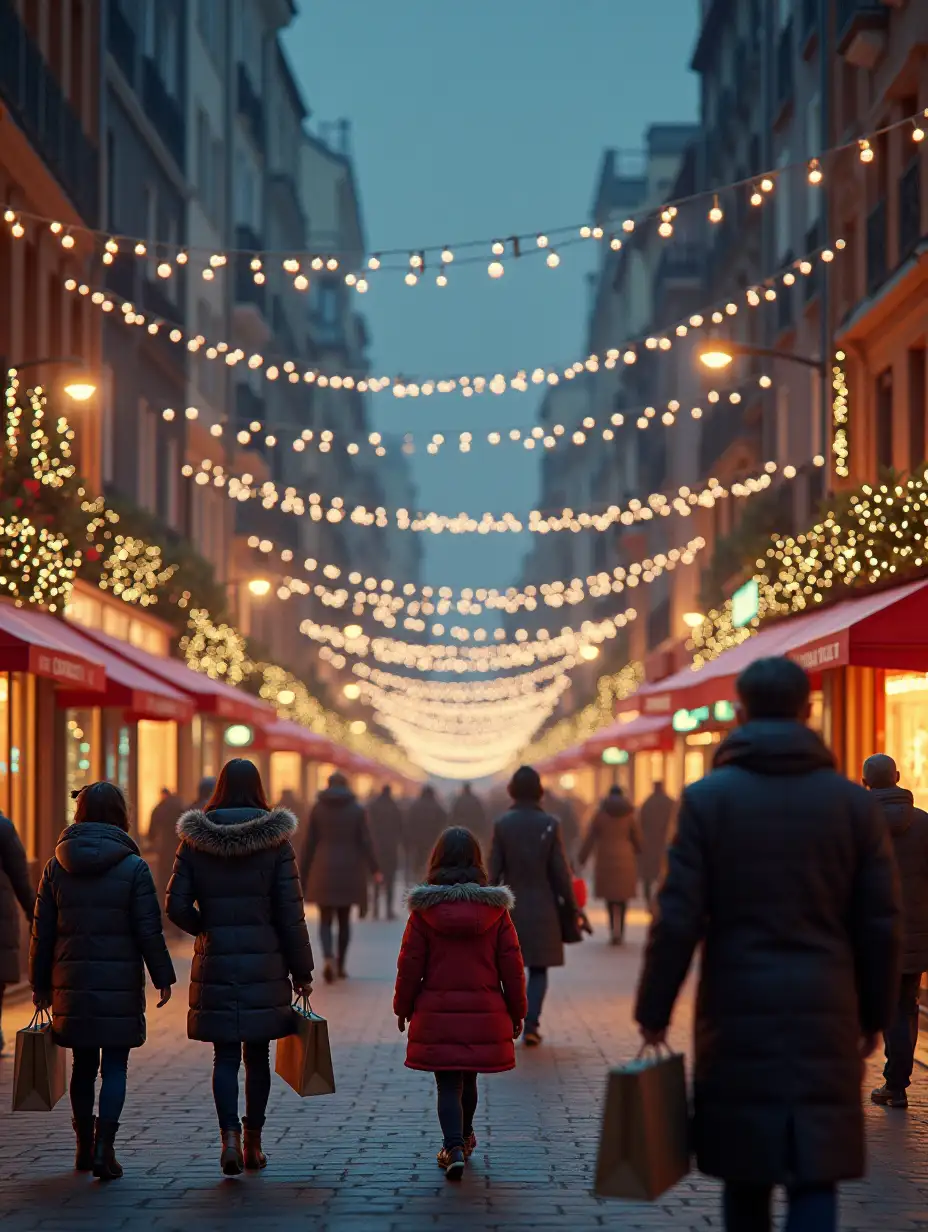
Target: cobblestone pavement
[[364, 1158]]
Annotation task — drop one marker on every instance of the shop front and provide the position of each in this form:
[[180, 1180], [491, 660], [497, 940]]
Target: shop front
[[636, 752]]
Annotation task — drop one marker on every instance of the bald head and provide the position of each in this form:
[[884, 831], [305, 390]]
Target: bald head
[[880, 771]]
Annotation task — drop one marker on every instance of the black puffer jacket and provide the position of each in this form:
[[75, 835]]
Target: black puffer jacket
[[782, 869], [16, 892], [96, 921], [908, 828], [236, 888]]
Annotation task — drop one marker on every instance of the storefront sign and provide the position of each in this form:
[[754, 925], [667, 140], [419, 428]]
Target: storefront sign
[[66, 669], [745, 604], [831, 652], [614, 757], [690, 720]]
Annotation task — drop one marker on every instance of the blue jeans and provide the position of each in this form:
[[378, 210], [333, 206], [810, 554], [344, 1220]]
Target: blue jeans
[[87, 1063], [812, 1208], [535, 991], [226, 1061]]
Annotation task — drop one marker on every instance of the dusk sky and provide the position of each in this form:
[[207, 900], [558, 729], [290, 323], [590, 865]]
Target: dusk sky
[[484, 119]]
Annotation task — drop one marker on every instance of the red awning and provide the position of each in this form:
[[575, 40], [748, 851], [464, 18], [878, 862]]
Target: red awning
[[208, 696], [32, 641], [558, 762], [284, 736], [637, 736]]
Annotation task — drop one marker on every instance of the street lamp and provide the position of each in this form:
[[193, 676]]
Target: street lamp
[[718, 355], [259, 587], [693, 620], [79, 386]]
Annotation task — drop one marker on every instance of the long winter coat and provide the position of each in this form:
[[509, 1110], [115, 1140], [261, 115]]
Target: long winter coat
[[16, 893], [460, 981], [338, 856], [236, 888], [386, 824], [614, 841], [162, 839], [426, 821], [654, 816], [468, 812], [96, 921], [528, 854], [782, 870], [908, 828]]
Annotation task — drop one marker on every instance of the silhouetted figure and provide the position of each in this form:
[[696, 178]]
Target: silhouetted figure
[[654, 817], [563, 808], [17, 893], [205, 789], [162, 837], [427, 819], [386, 821], [468, 812], [614, 841]]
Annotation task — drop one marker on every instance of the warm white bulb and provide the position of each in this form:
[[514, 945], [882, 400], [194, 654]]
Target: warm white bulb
[[495, 269], [553, 260]]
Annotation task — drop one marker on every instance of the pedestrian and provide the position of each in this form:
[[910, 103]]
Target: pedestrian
[[205, 789], [236, 889], [781, 871], [468, 813], [528, 853], [162, 837], [426, 821], [460, 985], [655, 816], [908, 829], [564, 809], [97, 921], [386, 821], [16, 893], [338, 858], [614, 840]]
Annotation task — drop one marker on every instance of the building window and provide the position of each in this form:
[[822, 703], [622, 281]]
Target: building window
[[918, 408], [112, 196], [884, 419], [210, 22], [147, 455]]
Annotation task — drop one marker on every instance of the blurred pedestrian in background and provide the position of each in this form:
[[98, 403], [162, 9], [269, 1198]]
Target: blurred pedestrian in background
[[337, 861], [614, 841], [563, 808], [528, 855], [236, 889], [468, 813], [654, 817], [782, 871], [386, 820], [908, 829], [97, 920], [205, 789], [17, 893], [426, 821], [162, 837]]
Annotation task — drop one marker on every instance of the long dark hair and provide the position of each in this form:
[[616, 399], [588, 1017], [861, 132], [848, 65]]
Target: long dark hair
[[456, 858], [238, 786], [103, 802]]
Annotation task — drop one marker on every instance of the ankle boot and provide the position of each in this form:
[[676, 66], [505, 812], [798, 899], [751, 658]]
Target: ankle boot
[[83, 1131], [231, 1160], [255, 1158], [106, 1166]]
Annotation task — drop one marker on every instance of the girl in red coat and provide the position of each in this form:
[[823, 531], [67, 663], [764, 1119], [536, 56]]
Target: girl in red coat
[[460, 985]]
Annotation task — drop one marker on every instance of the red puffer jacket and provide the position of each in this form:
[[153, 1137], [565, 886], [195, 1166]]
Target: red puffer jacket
[[460, 981]]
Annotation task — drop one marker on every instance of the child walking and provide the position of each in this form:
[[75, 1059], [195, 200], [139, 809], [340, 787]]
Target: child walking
[[460, 986]]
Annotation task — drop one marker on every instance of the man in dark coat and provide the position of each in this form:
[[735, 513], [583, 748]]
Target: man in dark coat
[[162, 837], [908, 829], [528, 855], [655, 816], [468, 812], [386, 821], [16, 892], [426, 820], [782, 870]]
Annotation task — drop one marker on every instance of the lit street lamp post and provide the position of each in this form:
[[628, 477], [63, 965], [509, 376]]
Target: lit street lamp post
[[80, 385]]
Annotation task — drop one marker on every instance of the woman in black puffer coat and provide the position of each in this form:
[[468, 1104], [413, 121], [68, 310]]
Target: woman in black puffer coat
[[96, 922], [236, 889], [16, 891]]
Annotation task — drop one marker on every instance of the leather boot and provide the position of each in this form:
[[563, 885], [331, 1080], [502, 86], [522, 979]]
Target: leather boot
[[106, 1166], [83, 1131], [232, 1160], [255, 1158]]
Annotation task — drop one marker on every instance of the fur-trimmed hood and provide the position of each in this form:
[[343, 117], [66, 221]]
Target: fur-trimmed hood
[[236, 832], [423, 897]]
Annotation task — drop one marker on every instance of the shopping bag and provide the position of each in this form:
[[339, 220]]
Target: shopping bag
[[644, 1141], [39, 1068], [580, 892], [304, 1059]]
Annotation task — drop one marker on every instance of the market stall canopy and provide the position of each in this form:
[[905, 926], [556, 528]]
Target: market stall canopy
[[285, 736], [33, 642], [559, 762], [641, 735]]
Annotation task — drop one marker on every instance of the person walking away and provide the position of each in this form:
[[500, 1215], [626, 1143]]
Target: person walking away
[[205, 789], [614, 840], [908, 829], [781, 870], [338, 858], [427, 819], [386, 822], [562, 807], [162, 837], [16, 893], [468, 813], [96, 922], [654, 816], [236, 889], [460, 986], [528, 854]]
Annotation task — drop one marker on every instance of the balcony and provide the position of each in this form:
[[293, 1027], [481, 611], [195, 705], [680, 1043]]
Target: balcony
[[164, 112], [120, 41], [910, 208], [45, 115], [785, 76], [250, 107], [861, 30], [876, 248]]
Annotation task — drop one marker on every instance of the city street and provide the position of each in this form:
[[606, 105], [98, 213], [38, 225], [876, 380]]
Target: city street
[[364, 1158]]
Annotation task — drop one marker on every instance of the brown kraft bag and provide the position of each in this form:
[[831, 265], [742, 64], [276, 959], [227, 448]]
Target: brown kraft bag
[[304, 1059], [39, 1068]]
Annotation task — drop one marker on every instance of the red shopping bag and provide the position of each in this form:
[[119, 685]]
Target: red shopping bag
[[580, 892]]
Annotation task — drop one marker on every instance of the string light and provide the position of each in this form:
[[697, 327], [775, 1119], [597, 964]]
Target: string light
[[840, 446]]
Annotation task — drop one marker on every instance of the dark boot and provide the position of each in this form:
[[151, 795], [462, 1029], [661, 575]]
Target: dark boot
[[106, 1166], [255, 1158], [328, 971], [83, 1132], [232, 1161]]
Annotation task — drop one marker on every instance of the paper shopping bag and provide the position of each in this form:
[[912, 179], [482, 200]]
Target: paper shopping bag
[[39, 1068], [304, 1059], [644, 1142]]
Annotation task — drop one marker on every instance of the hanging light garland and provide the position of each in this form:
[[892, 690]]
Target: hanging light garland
[[839, 416]]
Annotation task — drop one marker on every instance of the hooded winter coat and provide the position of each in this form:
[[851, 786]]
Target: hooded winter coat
[[528, 854], [908, 829], [460, 981], [96, 921], [236, 888], [16, 893], [614, 841], [782, 870], [338, 856], [654, 816]]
